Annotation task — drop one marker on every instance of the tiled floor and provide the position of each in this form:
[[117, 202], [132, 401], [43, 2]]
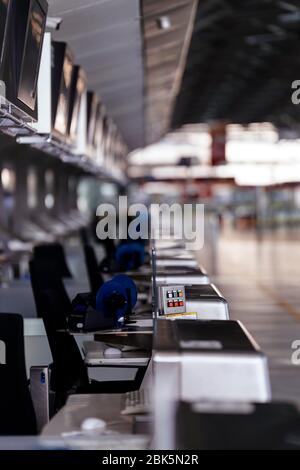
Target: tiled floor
[[261, 280]]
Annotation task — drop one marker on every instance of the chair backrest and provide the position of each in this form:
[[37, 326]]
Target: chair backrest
[[54, 306], [53, 252], [17, 416], [68, 369], [44, 275], [95, 278], [84, 236], [109, 246]]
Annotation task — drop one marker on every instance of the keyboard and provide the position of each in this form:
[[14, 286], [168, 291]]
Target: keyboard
[[138, 402]]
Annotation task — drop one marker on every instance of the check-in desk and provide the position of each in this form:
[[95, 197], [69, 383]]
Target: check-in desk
[[210, 360], [207, 361], [244, 426], [65, 426], [182, 275], [172, 275], [95, 357], [134, 336], [165, 263], [177, 252], [123, 430], [134, 341], [170, 244], [207, 302]]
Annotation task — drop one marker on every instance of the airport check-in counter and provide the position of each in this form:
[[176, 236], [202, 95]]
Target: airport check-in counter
[[172, 275], [207, 302], [239, 426], [124, 429], [165, 263], [177, 254], [65, 428], [179, 268], [212, 360], [202, 302], [205, 361], [186, 277]]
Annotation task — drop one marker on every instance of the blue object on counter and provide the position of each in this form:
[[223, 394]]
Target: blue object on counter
[[130, 255], [130, 287], [112, 299]]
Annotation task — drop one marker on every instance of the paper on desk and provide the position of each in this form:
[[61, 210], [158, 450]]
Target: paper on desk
[[184, 316]]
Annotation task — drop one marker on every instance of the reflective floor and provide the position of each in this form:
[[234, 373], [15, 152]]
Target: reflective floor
[[260, 277]]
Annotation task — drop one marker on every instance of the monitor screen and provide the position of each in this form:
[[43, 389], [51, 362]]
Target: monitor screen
[[92, 110], [79, 88], [27, 90], [106, 134], [62, 110], [99, 123], [4, 15]]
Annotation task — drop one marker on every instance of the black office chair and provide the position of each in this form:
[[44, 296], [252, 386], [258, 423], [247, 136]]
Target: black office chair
[[84, 236], [17, 416], [44, 275], [53, 252], [95, 278], [108, 244], [68, 371]]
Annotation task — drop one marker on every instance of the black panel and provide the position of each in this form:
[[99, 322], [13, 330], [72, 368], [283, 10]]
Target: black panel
[[4, 19], [18, 78], [259, 426], [27, 90], [92, 110], [62, 71], [78, 87], [171, 335]]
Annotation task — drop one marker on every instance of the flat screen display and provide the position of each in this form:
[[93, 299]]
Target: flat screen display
[[106, 134], [98, 133], [92, 109], [4, 16], [62, 113], [27, 89], [109, 136], [79, 89]]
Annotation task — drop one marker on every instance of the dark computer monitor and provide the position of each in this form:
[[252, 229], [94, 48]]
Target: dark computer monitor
[[92, 110], [112, 139], [23, 41], [107, 126], [78, 88], [98, 136], [62, 71], [30, 66], [4, 20]]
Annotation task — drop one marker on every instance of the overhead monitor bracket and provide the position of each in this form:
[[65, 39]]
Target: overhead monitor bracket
[[54, 23]]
